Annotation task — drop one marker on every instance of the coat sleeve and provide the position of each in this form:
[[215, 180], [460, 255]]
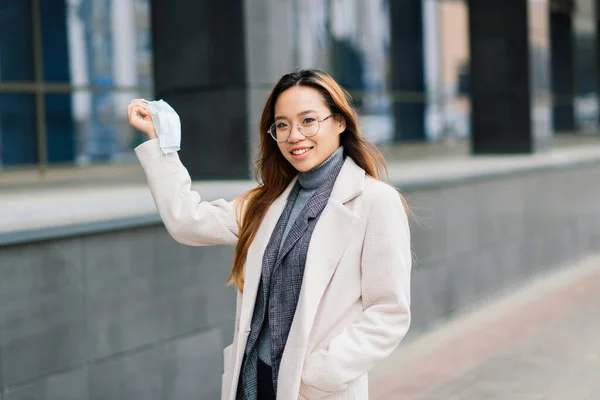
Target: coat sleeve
[[385, 283], [188, 219]]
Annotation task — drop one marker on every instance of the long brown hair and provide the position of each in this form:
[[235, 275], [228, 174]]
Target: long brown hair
[[274, 173]]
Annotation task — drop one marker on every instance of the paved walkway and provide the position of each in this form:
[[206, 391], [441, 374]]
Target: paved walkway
[[541, 341]]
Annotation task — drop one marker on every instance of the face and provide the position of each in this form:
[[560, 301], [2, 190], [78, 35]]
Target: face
[[301, 104]]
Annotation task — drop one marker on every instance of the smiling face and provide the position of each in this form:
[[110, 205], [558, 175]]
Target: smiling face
[[301, 104]]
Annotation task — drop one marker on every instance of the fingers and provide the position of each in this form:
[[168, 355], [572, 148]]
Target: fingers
[[142, 112], [135, 111], [137, 103], [132, 112], [140, 117]]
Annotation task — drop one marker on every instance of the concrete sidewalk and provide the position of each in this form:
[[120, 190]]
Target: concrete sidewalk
[[541, 341]]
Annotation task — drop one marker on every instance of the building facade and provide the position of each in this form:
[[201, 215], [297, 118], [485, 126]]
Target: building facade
[[68, 68]]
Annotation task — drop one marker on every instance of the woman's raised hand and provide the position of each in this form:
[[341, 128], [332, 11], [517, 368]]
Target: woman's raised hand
[[140, 118]]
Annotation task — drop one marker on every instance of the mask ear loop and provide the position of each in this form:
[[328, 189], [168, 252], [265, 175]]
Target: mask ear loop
[[144, 100]]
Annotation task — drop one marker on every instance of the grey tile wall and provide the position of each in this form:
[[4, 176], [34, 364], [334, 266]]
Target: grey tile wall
[[431, 295], [42, 318], [179, 286], [428, 227], [193, 366], [502, 232], [71, 385], [137, 375], [129, 314], [460, 219], [122, 305]]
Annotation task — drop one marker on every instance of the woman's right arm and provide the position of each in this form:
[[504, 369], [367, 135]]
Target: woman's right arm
[[188, 218]]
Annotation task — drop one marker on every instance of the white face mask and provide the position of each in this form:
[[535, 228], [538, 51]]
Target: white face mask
[[166, 124]]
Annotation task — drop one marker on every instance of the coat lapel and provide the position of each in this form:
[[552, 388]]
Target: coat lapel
[[255, 255], [300, 226], [328, 242]]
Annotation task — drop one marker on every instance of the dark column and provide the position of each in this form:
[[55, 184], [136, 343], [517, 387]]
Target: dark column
[[563, 77], [200, 69], [499, 80], [407, 68]]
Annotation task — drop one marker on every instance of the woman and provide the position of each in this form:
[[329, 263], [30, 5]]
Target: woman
[[322, 259]]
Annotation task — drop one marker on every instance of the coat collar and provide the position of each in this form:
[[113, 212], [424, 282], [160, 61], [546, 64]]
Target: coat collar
[[350, 182]]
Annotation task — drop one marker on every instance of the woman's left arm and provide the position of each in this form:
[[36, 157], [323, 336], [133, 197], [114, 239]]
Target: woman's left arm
[[385, 265]]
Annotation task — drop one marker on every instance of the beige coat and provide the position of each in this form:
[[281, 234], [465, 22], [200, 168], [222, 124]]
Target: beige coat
[[353, 308]]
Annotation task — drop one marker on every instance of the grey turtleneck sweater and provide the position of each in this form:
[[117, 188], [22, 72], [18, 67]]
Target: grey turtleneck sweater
[[309, 182]]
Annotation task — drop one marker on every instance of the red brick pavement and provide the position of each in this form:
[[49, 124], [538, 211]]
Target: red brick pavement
[[444, 361]]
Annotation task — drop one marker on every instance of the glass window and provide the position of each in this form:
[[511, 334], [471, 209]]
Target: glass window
[[94, 60], [60, 128], [16, 48], [100, 130], [18, 144]]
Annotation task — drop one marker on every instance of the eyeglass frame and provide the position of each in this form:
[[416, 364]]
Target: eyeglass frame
[[299, 129]]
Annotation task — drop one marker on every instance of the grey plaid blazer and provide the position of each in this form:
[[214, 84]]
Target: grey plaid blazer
[[281, 281]]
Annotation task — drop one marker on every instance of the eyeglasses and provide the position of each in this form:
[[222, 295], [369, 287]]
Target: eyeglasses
[[281, 131]]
